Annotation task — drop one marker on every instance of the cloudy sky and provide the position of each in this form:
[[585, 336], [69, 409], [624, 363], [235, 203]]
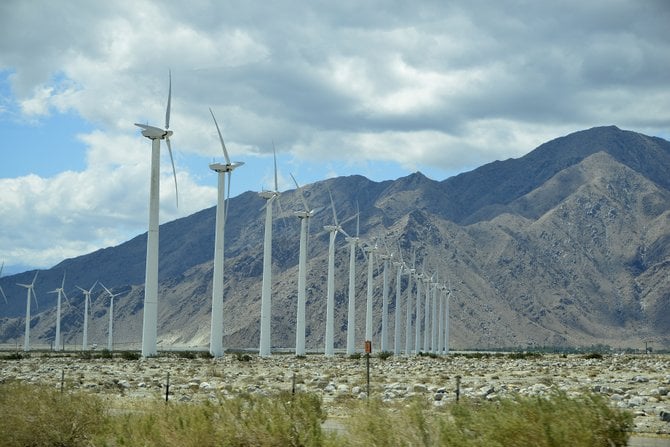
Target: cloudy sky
[[377, 88]]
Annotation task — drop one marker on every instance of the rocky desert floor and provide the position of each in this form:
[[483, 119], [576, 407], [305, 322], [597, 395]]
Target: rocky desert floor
[[637, 383]]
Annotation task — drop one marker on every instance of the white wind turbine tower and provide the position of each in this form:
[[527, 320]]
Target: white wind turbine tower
[[150, 318], [439, 291], [426, 311], [351, 311], [398, 278], [370, 249], [386, 257], [266, 292], [446, 318], [329, 349], [408, 322], [304, 217], [435, 317], [216, 330], [87, 302], [2, 291], [61, 292], [31, 290], [417, 328], [110, 327]]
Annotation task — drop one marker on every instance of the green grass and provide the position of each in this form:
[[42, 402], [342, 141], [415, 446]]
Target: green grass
[[34, 415]]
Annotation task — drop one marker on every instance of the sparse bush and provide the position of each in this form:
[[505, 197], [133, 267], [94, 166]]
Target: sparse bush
[[385, 354], [524, 355], [189, 355], [593, 356], [281, 420], [130, 355], [549, 421], [205, 355], [86, 355], [13, 356], [106, 354], [355, 356], [241, 357], [34, 415]]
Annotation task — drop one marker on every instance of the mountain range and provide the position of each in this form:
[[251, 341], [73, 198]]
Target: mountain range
[[567, 246]]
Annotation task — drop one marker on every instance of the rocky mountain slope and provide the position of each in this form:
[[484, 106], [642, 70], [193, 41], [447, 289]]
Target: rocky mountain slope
[[566, 246]]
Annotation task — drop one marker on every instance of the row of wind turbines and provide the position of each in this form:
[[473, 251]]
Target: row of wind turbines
[[435, 320], [58, 342]]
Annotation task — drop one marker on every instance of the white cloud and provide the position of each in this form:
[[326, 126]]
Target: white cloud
[[447, 86]]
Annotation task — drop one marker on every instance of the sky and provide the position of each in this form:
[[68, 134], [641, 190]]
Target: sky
[[377, 88]]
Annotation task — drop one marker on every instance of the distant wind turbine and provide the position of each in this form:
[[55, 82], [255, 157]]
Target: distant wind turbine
[[31, 290], [61, 292], [150, 319], [2, 291], [426, 311], [266, 292], [329, 349], [351, 311], [398, 278], [434, 317], [408, 322], [304, 217], [87, 302], [386, 257], [216, 330], [439, 292], [370, 250], [110, 328], [446, 318], [417, 328]]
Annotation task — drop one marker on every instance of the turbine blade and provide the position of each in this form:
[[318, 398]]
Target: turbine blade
[[35, 278], [174, 171], [37, 305], [62, 285], [225, 211], [343, 232], [3, 295], [223, 145], [358, 213], [80, 288], [93, 286], [332, 205], [106, 289], [274, 153], [167, 110], [66, 298], [302, 197], [1, 266]]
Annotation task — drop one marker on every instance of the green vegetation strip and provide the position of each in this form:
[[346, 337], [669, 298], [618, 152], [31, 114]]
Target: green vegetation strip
[[41, 416]]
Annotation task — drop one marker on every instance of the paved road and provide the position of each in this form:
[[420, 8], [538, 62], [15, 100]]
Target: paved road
[[639, 441]]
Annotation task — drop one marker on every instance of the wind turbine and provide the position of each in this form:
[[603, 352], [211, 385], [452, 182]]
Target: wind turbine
[[216, 330], [2, 291], [87, 301], [266, 292], [61, 292], [417, 328], [446, 318], [435, 316], [398, 278], [426, 311], [351, 311], [31, 290], [439, 291], [110, 330], [370, 249], [329, 349], [408, 322], [304, 217], [150, 318], [386, 257]]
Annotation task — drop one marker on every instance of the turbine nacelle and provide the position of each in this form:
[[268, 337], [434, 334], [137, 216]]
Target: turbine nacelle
[[154, 133], [225, 167]]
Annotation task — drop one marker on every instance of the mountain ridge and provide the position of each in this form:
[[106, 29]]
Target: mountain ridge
[[565, 246]]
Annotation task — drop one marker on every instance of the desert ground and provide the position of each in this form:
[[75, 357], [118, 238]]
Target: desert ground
[[637, 383]]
